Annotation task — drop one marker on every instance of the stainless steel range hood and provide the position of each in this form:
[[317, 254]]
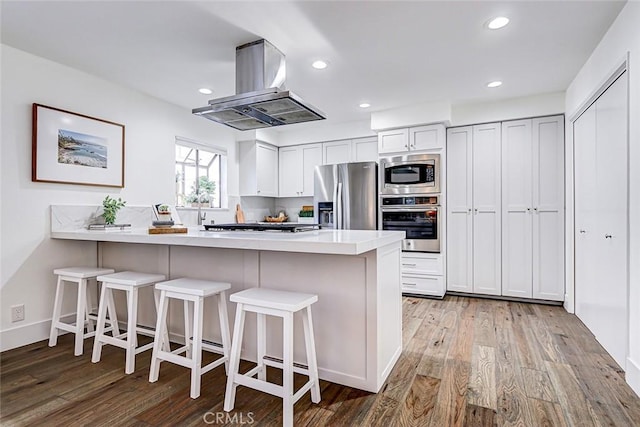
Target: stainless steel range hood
[[261, 99]]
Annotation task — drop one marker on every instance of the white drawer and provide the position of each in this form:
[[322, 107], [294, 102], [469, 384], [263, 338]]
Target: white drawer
[[422, 263], [426, 285]]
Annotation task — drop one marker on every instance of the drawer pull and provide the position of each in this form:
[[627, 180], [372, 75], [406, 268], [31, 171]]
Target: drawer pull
[[409, 284], [408, 265]]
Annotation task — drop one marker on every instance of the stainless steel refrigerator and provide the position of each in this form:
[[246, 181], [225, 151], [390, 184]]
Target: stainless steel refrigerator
[[346, 196]]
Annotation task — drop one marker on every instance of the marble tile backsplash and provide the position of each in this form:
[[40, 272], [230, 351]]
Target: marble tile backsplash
[[71, 217]]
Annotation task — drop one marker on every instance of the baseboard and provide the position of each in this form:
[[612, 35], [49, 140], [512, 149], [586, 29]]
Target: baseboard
[[632, 375], [28, 334]]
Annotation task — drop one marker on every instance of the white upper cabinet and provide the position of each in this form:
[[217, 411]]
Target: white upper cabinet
[[419, 138], [336, 152], [311, 157], [258, 169], [365, 149], [290, 171]]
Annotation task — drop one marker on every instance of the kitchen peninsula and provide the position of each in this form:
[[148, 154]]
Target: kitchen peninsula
[[356, 275]]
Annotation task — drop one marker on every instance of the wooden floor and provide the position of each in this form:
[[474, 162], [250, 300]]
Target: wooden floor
[[469, 362]]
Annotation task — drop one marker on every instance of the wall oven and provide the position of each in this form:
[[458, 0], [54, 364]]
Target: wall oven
[[418, 216], [410, 174]]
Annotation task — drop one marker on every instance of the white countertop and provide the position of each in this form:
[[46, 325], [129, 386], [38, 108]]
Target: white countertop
[[341, 242]]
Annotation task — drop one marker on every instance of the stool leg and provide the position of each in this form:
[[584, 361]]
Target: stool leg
[[165, 336], [113, 318], [57, 307], [161, 326], [132, 297], [188, 319], [287, 370], [196, 353], [102, 319], [89, 308], [234, 363], [309, 342], [262, 336], [81, 311], [224, 328]]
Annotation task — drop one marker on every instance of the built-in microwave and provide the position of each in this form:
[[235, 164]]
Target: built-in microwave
[[410, 174]]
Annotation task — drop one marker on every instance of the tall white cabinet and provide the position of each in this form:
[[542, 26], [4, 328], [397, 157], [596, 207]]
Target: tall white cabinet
[[533, 208], [601, 219], [473, 209]]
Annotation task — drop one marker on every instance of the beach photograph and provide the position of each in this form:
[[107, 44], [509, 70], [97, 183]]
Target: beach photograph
[[80, 149]]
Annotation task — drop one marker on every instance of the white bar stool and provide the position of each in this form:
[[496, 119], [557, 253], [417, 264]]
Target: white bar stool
[[195, 291], [80, 276], [130, 282], [281, 304]]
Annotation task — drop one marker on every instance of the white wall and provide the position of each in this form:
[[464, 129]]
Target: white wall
[[322, 132], [509, 109], [623, 37], [28, 254], [412, 115]]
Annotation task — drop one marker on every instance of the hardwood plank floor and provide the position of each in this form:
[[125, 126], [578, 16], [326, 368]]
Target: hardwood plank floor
[[466, 362]]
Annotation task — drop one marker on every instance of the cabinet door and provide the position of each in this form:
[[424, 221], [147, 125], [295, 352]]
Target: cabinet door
[[429, 137], [266, 170], [486, 209], [365, 150], [336, 152], [459, 218], [548, 208], [290, 171], [311, 157], [516, 209], [393, 141]]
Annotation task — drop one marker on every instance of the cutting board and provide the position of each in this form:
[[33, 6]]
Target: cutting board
[[168, 230], [239, 214]]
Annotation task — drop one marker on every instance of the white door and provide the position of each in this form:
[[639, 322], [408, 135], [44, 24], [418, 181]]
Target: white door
[[393, 140], [548, 208], [266, 170], [311, 157], [486, 209], [336, 152], [289, 172], [459, 203], [611, 227], [430, 137], [365, 150], [517, 209]]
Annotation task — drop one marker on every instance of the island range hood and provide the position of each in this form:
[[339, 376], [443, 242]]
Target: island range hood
[[261, 100]]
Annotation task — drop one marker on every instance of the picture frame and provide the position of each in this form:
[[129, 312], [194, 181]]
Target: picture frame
[[172, 209], [73, 148]]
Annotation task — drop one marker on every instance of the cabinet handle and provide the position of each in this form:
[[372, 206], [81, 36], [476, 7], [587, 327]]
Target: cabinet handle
[[406, 146], [535, 209], [608, 236], [476, 211], [469, 210], [583, 231], [409, 284], [408, 265]]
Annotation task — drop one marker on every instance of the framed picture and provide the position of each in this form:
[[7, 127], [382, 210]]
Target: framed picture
[[71, 148]]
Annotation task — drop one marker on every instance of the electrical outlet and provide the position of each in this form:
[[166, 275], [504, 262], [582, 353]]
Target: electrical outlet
[[17, 313]]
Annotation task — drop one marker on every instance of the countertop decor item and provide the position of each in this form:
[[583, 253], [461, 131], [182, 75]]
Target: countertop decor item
[[175, 229], [110, 208], [239, 214], [71, 148], [280, 218]]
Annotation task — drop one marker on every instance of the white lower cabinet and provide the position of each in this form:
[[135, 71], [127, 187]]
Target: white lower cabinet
[[422, 274]]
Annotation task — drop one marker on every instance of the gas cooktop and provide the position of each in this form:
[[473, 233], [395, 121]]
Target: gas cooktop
[[262, 226]]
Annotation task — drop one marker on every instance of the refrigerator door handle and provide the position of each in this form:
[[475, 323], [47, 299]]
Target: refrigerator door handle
[[339, 207]]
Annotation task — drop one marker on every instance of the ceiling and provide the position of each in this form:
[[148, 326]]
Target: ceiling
[[387, 53]]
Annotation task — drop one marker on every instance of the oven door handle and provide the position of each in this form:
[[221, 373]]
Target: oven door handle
[[411, 209]]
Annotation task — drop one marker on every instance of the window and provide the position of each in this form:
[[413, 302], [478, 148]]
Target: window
[[200, 174]]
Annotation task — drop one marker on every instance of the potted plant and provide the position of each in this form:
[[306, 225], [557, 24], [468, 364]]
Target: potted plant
[[305, 216], [204, 195], [110, 208]]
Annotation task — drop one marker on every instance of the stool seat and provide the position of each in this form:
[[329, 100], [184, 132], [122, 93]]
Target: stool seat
[[131, 278], [271, 298], [82, 272], [201, 288]]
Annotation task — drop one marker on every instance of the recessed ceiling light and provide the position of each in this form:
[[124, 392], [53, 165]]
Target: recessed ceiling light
[[498, 22], [494, 84], [365, 105], [205, 91], [319, 64]]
